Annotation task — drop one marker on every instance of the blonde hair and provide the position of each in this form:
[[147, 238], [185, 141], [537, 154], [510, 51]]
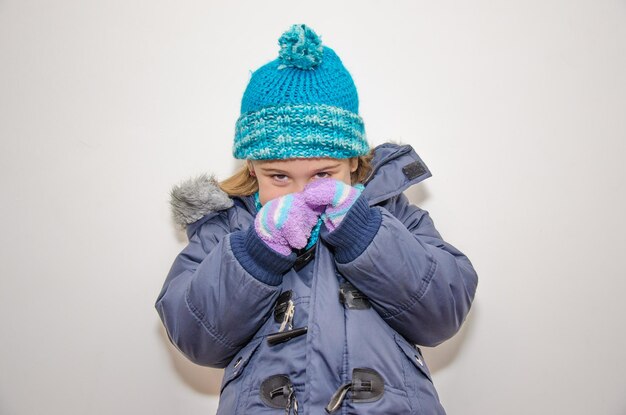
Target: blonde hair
[[242, 183]]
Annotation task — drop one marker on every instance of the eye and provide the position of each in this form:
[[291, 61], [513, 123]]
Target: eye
[[322, 174], [279, 177]]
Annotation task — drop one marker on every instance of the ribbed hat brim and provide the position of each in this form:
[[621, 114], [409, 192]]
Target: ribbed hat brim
[[299, 130]]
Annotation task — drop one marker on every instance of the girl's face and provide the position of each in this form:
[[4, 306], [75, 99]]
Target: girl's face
[[279, 177]]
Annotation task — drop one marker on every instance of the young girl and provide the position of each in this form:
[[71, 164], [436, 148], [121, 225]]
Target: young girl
[[308, 275]]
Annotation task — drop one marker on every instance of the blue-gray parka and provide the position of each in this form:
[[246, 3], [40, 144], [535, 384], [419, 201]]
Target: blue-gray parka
[[336, 327]]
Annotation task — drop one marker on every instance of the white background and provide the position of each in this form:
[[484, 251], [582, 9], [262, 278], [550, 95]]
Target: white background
[[517, 107]]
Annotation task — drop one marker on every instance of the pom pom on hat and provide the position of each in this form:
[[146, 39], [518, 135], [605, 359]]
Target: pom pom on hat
[[300, 47]]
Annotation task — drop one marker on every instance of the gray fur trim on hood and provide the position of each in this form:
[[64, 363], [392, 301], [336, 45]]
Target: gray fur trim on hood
[[195, 197]]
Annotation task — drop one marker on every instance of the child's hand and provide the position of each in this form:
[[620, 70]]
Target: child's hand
[[286, 222], [334, 196]]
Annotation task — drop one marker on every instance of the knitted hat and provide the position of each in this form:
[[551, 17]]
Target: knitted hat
[[302, 104]]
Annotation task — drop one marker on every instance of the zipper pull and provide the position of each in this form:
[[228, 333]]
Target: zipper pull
[[288, 318]]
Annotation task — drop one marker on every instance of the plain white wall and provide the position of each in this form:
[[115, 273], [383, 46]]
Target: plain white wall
[[517, 107]]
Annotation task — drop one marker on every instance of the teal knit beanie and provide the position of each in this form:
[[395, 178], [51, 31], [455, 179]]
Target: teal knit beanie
[[302, 104]]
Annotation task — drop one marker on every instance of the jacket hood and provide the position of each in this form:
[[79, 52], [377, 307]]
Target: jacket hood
[[197, 197], [395, 167]]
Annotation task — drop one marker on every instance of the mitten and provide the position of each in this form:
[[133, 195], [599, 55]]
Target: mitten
[[285, 223], [334, 196]]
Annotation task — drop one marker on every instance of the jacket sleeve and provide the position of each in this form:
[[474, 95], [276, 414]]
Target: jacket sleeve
[[213, 301], [421, 285]]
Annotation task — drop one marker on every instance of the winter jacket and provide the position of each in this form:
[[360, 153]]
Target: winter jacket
[[338, 326]]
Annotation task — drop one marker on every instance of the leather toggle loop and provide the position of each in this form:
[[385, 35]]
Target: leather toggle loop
[[337, 399], [351, 298], [282, 303], [367, 385], [304, 257], [278, 392]]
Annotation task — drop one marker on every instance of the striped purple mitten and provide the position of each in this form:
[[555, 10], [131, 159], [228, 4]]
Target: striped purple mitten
[[335, 196], [285, 223]]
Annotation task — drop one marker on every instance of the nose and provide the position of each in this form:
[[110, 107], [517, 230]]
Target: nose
[[300, 185]]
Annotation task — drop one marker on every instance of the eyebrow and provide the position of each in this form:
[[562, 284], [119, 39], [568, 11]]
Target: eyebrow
[[274, 170]]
